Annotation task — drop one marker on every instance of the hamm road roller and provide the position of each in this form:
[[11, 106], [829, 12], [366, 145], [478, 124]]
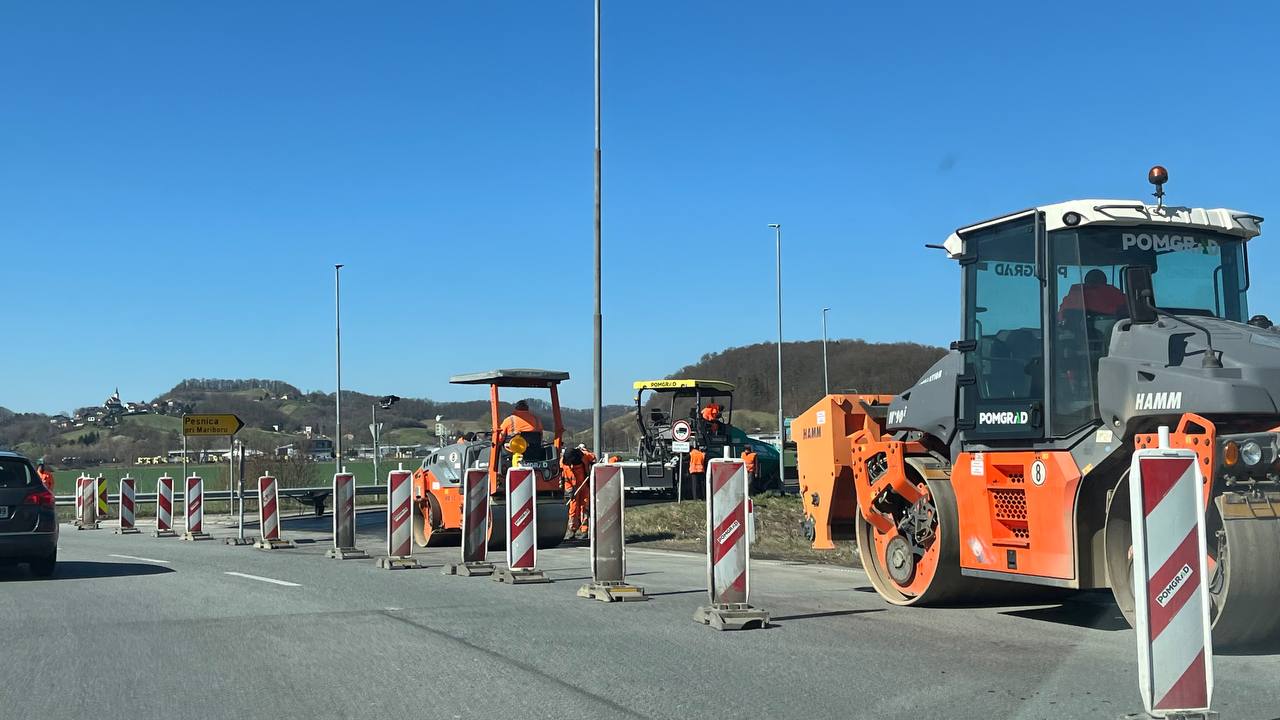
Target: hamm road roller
[[1087, 325]]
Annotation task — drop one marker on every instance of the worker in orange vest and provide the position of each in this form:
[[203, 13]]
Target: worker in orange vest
[[575, 471], [697, 471], [615, 458], [711, 413], [749, 456], [46, 476], [519, 421]]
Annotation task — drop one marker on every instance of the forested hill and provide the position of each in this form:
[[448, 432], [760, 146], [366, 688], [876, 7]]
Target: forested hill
[[854, 365]]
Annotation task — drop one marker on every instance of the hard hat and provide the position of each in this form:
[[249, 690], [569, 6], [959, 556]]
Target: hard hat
[[582, 446]]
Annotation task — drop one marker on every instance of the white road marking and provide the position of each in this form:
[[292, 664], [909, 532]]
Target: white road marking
[[135, 557], [286, 583]]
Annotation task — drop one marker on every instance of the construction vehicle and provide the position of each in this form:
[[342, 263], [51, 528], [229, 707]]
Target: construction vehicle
[[1008, 460], [437, 485], [664, 404]]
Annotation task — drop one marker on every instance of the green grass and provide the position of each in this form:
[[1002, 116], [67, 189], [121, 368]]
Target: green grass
[[155, 422], [683, 526]]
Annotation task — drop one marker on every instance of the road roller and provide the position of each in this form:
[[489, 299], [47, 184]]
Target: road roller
[[437, 484], [1086, 326]]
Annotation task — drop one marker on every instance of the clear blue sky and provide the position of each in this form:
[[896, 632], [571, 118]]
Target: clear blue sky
[[178, 178]]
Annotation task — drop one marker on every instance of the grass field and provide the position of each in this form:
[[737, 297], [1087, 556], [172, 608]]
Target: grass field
[[683, 526]]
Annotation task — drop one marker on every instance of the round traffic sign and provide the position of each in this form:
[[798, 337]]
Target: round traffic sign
[[681, 430]]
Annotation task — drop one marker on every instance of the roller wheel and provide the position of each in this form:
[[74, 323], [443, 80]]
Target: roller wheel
[[923, 566], [1244, 573], [426, 526], [553, 523]]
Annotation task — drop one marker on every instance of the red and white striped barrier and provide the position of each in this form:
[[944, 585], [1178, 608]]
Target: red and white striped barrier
[[399, 522], [522, 529], [79, 498], [127, 496], [608, 543], [87, 503], [344, 518], [475, 526], [1171, 589], [269, 516], [164, 507], [193, 509], [728, 550]]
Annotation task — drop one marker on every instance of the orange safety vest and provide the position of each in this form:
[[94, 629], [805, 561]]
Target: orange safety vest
[[520, 421], [697, 461], [749, 456], [711, 413]]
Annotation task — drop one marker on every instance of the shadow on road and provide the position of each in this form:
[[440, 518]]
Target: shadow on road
[[677, 592], [829, 613], [83, 570], [1086, 615]]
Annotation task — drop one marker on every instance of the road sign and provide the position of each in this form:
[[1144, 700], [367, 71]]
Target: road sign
[[1171, 590], [680, 447], [201, 425], [375, 431], [681, 430]]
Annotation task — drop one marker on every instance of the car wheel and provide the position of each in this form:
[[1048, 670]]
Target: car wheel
[[45, 566]]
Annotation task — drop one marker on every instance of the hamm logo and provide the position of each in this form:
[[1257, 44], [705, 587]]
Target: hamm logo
[[1158, 401], [1006, 417], [897, 417]]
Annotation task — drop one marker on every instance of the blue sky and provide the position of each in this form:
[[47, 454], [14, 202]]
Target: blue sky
[[178, 178]]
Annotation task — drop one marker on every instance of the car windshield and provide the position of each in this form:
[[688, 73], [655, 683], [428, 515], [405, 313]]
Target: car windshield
[[15, 473], [1193, 272]]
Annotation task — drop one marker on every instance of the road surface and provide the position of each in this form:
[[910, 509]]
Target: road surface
[[138, 627]]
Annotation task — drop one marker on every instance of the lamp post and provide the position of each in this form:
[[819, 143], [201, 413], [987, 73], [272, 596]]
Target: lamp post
[[777, 234], [376, 430], [597, 321], [337, 397], [826, 380]]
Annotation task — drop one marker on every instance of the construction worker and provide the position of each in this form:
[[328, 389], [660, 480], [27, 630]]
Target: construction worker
[[749, 456], [697, 471], [711, 413], [588, 457], [462, 438], [1095, 295], [46, 475], [520, 421], [615, 458], [574, 467]]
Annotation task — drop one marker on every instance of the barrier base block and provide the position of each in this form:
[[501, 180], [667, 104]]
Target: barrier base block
[[732, 616], [346, 553], [398, 563], [236, 541], [520, 576], [86, 526], [1175, 715], [127, 531], [163, 533], [469, 569], [273, 544], [612, 591], [196, 536]]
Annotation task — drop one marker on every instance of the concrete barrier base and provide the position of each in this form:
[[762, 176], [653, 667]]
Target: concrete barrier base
[[520, 577], [127, 531], [469, 569], [273, 544], [612, 592], [236, 541], [398, 563], [163, 533], [86, 526], [348, 553], [732, 616], [195, 536]]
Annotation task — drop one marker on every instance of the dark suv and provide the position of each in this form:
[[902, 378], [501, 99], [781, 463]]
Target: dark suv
[[28, 521]]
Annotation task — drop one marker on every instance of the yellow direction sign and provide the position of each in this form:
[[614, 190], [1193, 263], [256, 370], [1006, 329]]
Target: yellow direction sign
[[225, 424]]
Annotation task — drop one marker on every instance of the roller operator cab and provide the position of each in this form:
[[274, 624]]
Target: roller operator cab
[[1086, 326]]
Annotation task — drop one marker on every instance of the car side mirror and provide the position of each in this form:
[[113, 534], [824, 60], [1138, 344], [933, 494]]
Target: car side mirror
[[1139, 294]]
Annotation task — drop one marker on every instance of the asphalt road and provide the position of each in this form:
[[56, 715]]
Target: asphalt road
[[138, 627]]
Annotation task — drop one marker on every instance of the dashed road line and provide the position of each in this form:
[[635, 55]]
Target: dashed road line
[[135, 557], [273, 581]]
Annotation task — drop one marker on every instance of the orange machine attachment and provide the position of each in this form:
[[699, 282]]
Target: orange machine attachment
[[824, 437], [1193, 433]]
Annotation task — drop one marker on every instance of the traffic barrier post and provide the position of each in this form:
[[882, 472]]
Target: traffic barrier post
[[128, 493], [193, 509], [104, 507], [608, 541], [399, 522], [344, 518], [728, 550], [79, 494], [475, 526], [269, 516], [87, 501], [1171, 582], [522, 530], [164, 508]]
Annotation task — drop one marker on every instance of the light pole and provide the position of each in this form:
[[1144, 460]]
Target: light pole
[[826, 380], [337, 397], [597, 320], [376, 430], [777, 234]]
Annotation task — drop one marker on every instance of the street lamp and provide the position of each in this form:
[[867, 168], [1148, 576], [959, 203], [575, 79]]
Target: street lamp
[[826, 381], [777, 234], [337, 398], [376, 430], [597, 362]]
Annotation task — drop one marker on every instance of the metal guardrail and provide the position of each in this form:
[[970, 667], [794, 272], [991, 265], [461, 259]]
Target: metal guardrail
[[314, 496]]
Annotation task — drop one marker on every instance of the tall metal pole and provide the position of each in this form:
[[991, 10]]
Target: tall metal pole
[[826, 381], [597, 367], [373, 430], [337, 397], [777, 233]]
